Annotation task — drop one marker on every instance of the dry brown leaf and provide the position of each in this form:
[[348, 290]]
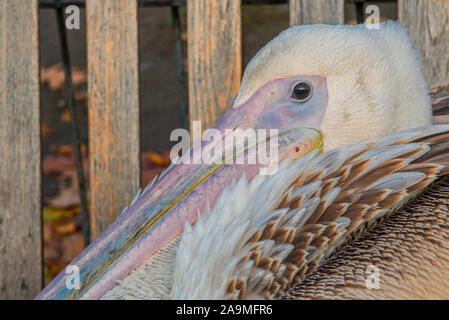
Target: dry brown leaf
[[46, 131], [66, 228], [54, 76], [65, 117]]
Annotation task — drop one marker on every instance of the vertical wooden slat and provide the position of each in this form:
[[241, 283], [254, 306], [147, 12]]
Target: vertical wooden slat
[[214, 57], [114, 145], [428, 22], [20, 177], [316, 11]]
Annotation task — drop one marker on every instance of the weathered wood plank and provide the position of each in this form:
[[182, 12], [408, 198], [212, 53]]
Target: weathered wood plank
[[316, 11], [20, 160], [113, 87], [428, 22], [214, 57]]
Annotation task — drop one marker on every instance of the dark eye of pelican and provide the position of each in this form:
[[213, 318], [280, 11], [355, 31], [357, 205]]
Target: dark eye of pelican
[[302, 91]]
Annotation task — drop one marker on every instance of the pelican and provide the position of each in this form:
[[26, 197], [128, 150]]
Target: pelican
[[360, 188]]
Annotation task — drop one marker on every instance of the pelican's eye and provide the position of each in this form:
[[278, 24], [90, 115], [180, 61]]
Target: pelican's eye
[[301, 91]]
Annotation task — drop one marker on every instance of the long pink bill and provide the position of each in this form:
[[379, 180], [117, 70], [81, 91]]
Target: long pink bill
[[158, 216]]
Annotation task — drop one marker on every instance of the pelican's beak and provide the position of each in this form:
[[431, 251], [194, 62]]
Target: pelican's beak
[[182, 191]]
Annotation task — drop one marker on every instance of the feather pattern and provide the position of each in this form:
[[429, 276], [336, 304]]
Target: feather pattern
[[405, 256], [247, 248]]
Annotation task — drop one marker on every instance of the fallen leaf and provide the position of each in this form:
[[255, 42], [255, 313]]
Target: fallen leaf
[[66, 228], [66, 150], [51, 214], [46, 131], [65, 117], [54, 76], [156, 159]]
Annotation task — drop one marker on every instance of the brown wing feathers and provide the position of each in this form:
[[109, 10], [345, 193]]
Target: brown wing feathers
[[409, 251], [440, 103], [338, 196]]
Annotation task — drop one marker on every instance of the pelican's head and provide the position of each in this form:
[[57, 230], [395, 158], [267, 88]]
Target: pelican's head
[[319, 86], [352, 83]]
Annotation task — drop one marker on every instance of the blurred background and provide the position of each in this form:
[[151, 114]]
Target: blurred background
[[163, 99]]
